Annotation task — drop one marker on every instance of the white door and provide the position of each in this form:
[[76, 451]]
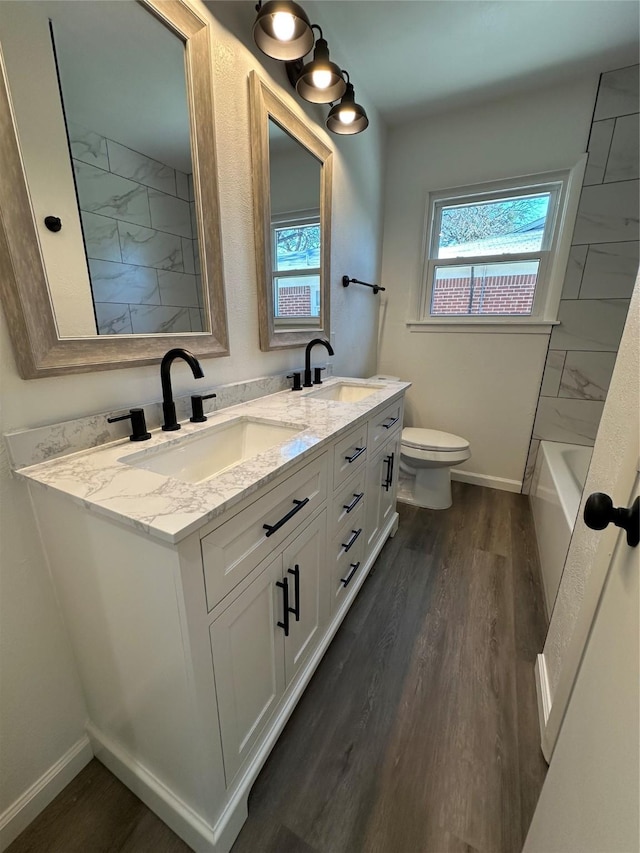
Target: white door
[[590, 801]]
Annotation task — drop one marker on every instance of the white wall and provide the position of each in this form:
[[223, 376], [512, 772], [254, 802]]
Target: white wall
[[295, 179], [42, 711], [482, 386]]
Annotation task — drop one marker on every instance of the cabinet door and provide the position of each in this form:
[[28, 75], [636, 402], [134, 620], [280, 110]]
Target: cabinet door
[[304, 568], [247, 647], [389, 481], [382, 476]]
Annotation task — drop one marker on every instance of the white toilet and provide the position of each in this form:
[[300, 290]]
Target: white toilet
[[429, 454]]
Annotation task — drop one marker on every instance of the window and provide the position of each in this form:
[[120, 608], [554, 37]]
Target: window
[[491, 250], [296, 274]]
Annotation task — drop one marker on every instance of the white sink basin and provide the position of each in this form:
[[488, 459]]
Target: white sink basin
[[346, 392], [211, 452]]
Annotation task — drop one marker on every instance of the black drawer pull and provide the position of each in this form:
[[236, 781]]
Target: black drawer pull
[[354, 456], [393, 421], [347, 545], [354, 569], [356, 499], [284, 585], [273, 528], [295, 571], [389, 478]]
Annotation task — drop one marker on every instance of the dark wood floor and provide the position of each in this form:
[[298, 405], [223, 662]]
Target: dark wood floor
[[418, 732]]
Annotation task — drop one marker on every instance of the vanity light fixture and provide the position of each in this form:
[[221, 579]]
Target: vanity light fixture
[[347, 117], [321, 81], [282, 30]]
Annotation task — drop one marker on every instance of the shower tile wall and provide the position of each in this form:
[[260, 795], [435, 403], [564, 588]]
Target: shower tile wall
[[600, 276], [138, 218]]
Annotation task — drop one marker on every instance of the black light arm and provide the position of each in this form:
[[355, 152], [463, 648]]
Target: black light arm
[[346, 281]]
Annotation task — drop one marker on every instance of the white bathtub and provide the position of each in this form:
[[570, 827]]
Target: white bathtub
[[556, 490]]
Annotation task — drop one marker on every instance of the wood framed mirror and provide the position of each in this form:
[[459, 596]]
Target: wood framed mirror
[[292, 179], [136, 266]]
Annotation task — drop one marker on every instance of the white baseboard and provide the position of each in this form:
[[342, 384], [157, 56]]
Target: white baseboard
[[171, 809], [543, 692], [37, 797], [486, 480]]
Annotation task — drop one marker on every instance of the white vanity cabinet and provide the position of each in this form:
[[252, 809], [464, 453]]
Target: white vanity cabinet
[[193, 654], [258, 646]]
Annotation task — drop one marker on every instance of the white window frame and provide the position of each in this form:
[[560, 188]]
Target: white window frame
[[293, 220], [565, 187]]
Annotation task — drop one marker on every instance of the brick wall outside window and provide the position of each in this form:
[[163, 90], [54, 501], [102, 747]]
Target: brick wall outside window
[[294, 301], [505, 294]]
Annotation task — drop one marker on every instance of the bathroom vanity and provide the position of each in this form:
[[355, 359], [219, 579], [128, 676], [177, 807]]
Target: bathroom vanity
[[203, 577]]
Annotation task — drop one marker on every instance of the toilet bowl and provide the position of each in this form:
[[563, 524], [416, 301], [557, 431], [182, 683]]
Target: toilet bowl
[[429, 454]]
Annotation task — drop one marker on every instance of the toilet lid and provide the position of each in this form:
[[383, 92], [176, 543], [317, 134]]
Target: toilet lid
[[432, 439]]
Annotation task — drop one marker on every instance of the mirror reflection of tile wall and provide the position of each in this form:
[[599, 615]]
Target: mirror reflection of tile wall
[[602, 268], [139, 224]]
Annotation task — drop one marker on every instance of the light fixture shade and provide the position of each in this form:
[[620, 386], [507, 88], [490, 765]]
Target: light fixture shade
[[308, 88], [300, 41], [347, 108]]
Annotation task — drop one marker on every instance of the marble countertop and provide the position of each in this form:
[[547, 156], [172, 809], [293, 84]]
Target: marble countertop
[[103, 481]]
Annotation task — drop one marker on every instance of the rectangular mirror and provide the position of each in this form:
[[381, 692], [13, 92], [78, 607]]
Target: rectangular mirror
[[292, 170], [111, 240]]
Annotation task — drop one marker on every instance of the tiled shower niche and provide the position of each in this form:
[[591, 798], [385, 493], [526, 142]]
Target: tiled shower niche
[[138, 219], [602, 268]]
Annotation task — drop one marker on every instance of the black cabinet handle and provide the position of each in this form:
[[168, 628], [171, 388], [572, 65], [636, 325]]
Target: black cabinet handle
[[599, 511], [295, 571], [389, 478], [354, 569], [347, 545], [356, 499], [284, 585], [354, 456], [393, 421], [273, 528]]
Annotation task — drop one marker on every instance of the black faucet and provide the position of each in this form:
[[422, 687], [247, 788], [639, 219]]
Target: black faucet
[[307, 359], [168, 406]]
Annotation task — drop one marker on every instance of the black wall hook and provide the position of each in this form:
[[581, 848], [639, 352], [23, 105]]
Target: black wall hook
[[346, 281]]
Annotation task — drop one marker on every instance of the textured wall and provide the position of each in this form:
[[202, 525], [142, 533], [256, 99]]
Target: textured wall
[[45, 714]]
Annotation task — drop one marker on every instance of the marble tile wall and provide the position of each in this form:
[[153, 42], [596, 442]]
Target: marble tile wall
[[602, 269], [138, 218]]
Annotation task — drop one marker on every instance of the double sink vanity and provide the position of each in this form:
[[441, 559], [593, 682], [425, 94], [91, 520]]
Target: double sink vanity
[[203, 575]]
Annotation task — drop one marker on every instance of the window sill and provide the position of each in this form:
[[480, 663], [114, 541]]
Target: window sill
[[486, 325]]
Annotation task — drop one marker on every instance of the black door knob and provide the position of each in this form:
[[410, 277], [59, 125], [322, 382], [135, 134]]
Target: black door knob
[[599, 511]]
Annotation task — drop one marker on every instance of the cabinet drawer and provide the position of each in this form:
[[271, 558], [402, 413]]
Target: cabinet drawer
[[234, 548], [384, 424], [345, 564], [349, 498], [349, 454]]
